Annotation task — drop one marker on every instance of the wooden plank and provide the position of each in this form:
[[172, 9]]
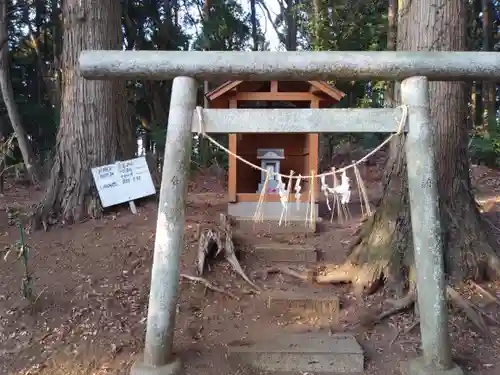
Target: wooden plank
[[351, 120], [325, 88], [233, 162], [314, 151], [268, 96], [222, 89], [254, 197]]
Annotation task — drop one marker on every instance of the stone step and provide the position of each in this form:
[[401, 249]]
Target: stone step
[[308, 303], [271, 226], [314, 352], [284, 253]]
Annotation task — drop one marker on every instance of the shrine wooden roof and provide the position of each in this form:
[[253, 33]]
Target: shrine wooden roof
[[276, 90]]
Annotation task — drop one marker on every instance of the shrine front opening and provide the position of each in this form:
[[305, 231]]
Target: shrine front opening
[[293, 151]]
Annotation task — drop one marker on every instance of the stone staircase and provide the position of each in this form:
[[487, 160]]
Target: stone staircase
[[316, 351]]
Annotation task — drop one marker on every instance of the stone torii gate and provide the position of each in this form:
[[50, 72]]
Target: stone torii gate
[[414, 69]]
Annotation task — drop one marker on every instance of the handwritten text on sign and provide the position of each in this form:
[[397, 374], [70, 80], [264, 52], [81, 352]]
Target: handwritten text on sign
[[123, 181]]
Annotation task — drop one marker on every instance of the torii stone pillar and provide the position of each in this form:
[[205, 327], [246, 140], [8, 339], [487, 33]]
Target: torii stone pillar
[[169, 241], [426, 230]]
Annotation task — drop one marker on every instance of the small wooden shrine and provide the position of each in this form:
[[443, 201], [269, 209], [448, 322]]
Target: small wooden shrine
[[280, 152]]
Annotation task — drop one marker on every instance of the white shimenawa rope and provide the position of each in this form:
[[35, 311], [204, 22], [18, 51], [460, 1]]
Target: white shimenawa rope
[[402, 123]]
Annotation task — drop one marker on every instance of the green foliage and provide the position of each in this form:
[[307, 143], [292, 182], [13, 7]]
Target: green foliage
[[226, 28], [346, 26], [484, 148], [22, 250], [158, 134]]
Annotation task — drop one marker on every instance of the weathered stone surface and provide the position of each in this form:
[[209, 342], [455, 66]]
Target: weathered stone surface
[[303, 65], [278, 252], [242, 215], [271, 226], [269, 210], [320, 304], [317, 352], [417, 366], [175, 367]]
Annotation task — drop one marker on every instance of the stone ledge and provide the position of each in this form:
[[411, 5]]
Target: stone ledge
[[271, 226], [316, 352], [175, 367], [309, 303], [276, 252], [417, 366]]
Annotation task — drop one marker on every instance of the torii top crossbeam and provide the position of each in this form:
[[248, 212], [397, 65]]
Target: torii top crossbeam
[[264, 65]]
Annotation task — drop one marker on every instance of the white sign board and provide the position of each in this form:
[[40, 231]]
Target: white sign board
[[123, 181]]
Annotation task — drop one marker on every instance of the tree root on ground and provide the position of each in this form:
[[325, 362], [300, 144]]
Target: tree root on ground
[[486, 293], [472, 311], [404, 332], [365, 279], [219, 237], [208, 285], [304, 276], [398, 305]]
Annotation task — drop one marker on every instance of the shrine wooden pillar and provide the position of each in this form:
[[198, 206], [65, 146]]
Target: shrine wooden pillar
[[233, 162], [313, 147]]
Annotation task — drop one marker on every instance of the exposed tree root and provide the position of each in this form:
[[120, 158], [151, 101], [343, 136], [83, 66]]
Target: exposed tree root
[[486, 293], [215, 240], [472, 311], [208, 285], [405, 332], [68, 198], [398, 305], [304, 276], [364, 278]]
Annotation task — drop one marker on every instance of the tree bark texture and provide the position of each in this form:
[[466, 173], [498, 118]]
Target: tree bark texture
[[392, 11], [385, 248], [9, 100], [91, 112], [291, 26], [253, 20], [490, 88]]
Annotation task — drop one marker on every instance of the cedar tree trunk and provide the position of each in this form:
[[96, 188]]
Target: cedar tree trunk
[[89, 131]]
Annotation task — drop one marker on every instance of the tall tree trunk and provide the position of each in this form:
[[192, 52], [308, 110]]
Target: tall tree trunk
[[203, 143], [477, 87], [384, 248], [320, 43], [126, 133], [43, 70], [253, 18], [9, 100], [391, 92], [3, 157], [88, 132], [57, 23], [490, 88], [321, 38], [291, 26], [392, 11], [478, 104]]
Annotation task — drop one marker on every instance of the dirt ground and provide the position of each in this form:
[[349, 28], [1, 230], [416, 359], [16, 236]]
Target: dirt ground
[[92, 281]]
